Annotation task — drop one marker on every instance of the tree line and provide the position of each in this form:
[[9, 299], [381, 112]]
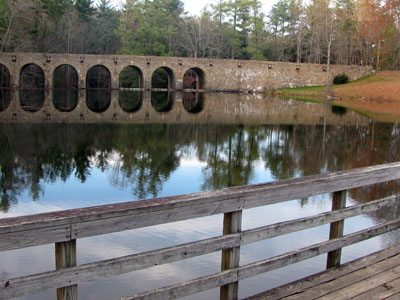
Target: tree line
[[363, 32]]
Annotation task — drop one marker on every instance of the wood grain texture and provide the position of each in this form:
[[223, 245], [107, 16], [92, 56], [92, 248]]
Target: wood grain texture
[[98, 220], [250, 270], [111, 267], [298, 287], [336, 229], [107, 268], [65, 253], [231, 257]]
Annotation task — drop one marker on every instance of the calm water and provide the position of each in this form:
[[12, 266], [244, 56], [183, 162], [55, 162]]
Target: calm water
[[48, 167]]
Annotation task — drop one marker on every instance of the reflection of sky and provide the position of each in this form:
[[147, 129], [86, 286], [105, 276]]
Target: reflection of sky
[[187, 178]]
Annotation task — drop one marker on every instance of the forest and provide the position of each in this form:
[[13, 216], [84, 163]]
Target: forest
[[362, 32]]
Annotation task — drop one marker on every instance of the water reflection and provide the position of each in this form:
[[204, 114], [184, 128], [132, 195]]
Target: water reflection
[[5, 98], [162, 101], [31, 100], [130, 101], [142, 158], [193, 102], [339, 110], [65, 100], [98, 100]]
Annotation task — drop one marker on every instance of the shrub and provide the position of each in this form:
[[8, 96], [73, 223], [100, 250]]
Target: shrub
[[341, 79]]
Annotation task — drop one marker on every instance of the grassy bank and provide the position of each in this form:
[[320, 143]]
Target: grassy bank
[[377, 96]]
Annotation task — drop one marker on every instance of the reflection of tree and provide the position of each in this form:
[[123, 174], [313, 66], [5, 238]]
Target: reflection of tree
[[193, 102], [5, 98], [65, 99], [143, 157], [148, 156], [230, 157], [162, 101], [98, 100], [130, 101], [32, 100]]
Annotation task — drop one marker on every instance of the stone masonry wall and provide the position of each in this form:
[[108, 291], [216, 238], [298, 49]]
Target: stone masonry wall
[[219, 74]]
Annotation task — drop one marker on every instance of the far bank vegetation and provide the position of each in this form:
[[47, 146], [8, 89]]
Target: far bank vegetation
[[361, 32]]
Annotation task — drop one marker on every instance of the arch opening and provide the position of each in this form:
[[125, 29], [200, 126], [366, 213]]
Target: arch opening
[[98, 89], [5, 84], [31, 77], [193, 102], [65, 88], [163, 78], [31, 100], [130, 101], [5, 99], [131, 77], [193, 79], [162, 101], [5, 77], [32, 83]]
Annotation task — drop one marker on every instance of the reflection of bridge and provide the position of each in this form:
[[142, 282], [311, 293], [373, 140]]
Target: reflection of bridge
[[178, 107], [211, 74]]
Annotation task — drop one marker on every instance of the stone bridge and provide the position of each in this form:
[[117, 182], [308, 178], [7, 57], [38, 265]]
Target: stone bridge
[[210, 74], [187, 108]]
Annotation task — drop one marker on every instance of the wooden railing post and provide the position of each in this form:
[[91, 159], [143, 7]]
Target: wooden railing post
[[336, 231], [66, 257], [231, 257]]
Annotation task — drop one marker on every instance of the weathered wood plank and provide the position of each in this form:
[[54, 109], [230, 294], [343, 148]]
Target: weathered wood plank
[[117, 217], [188, 287], [359, 287], [65, 253], [40, 236], [315, 250], [16, 240], [300, 286], [336, 230], [320, 290], [277, 229], [231, 257], [394, 297], [384, 291], [107, 268]]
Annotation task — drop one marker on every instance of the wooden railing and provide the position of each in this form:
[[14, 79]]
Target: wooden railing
[[64, 227]]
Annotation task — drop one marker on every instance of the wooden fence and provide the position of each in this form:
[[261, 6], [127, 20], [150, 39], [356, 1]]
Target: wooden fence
[[64, 227]]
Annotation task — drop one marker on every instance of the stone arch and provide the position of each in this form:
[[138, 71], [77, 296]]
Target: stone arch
[[32, 83], [5, 77], [31, 77], [98, 88], [131, 77], [65, 77], [98, 77], [163, 78], [65, 88], [194, 79], [5, 84]]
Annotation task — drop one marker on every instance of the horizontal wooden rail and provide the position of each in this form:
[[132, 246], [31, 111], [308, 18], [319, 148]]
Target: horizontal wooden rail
[[111, 267], [68, 225], [250, 270]]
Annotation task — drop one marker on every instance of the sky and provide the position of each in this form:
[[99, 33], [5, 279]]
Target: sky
[[194, 7]]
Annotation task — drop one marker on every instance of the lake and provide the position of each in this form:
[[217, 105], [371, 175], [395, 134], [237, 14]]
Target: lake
[[185, 145]]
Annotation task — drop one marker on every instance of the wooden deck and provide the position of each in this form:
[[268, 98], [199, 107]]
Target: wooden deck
[[373, 277]]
